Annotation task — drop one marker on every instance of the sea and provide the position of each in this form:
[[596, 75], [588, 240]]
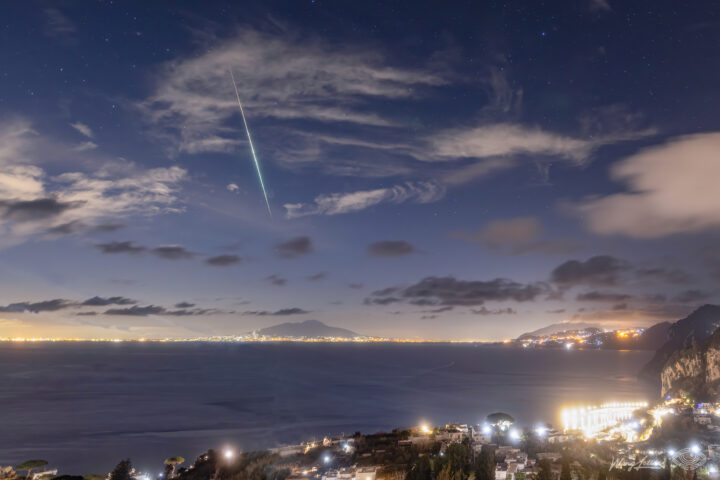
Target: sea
[[85, 406]]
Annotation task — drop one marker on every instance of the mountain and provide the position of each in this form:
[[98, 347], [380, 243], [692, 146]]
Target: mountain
[[557, 328], [695, 329], [306, 329]]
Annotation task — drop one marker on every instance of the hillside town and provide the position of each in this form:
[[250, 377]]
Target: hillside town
[[674, 439]]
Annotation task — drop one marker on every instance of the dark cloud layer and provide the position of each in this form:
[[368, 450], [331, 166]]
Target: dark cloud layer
[[120, 247], [172, 252], [277, 313], [451, 291], [602, 270], [596, 296], [36, 307], [295, 247], [223, 260], [106, 301], [147, 310], [277, 280], [33, 210], [390, 248]]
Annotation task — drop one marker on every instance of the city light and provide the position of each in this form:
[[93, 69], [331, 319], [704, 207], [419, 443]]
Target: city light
[[425, 429], [228, 453], [541, 430], [695, 448], [594, 419], [514, 434], [486, 429], [326, 459]]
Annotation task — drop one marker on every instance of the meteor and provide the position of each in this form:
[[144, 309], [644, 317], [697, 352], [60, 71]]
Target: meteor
[[252, 147]]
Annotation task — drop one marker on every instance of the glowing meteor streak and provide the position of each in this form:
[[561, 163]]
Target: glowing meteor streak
[[252, 147]]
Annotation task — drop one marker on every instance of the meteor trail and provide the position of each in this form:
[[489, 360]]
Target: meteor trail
[[252, 147]]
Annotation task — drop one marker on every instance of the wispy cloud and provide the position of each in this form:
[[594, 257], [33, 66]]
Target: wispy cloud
[[32, 202], [341, 203], [83, 128], [308, 79]]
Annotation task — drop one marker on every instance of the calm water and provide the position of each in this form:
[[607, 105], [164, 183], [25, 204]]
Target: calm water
[[84, 407]]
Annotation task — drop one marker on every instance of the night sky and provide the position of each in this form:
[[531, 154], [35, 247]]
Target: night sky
[[434, 169]]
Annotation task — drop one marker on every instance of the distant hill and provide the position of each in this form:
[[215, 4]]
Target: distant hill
[[306, 329], [693, 330], [557, 328]]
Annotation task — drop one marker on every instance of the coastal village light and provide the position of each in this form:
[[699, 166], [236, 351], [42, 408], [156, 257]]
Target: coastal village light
[[229, 454]]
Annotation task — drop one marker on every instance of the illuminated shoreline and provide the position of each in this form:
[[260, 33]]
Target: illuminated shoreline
[[248, 340]]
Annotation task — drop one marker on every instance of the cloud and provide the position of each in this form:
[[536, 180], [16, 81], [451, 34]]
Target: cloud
[[506, 139], [500, 311], [451, 291], [277, 313], [295, 247], [308, 79], [83, 128], [137, 311], [381, 300], [671, 189], [517, 236], [33, 203], [184, 305], [34, 210], [600, 6], [147, 310], [316, 277], [601, 270], [277, 280], [663, 274], [85, 146], [223, 260], [596, 296], [105, 301], [692, 296], [493, 147], [57, 24], [120, 247], [36, 307], [232, 187], [390, 248], [172, 252], [341, 203]]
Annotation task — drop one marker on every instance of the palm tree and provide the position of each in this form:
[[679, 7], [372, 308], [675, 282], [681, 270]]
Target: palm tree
[[29, 465]]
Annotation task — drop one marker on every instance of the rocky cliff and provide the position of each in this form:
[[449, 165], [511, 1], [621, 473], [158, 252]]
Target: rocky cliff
[[694, 370], [695, 329]]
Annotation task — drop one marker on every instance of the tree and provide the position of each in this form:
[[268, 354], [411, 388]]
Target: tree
[[30, 465], [122, 471], [545, 472], [171, 464], [421, 470], [602, 474], [485, 464], [565, 469]]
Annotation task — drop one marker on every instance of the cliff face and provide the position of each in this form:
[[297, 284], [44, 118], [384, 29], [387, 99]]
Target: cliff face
[[694, 370], [695, 329]]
